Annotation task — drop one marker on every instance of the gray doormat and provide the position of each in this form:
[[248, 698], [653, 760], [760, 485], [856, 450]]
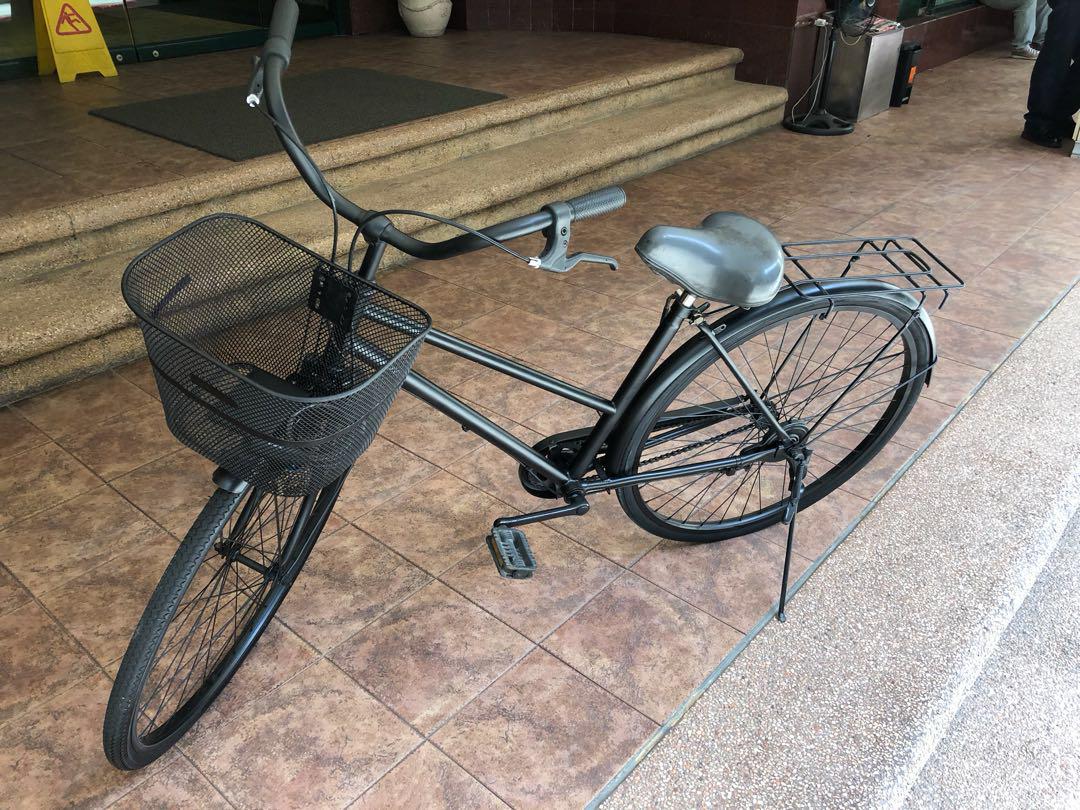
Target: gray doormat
[[323, 105]]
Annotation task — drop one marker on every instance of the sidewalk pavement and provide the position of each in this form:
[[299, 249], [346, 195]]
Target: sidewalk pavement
[[857, 700]]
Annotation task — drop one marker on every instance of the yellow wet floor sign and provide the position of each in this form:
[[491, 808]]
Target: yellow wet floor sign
[[69, 40]]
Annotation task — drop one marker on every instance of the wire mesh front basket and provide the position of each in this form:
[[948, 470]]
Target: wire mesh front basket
[[903, 261], [271, 361]]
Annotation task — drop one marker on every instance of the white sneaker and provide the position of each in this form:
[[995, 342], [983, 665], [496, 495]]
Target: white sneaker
[[1027, 52]]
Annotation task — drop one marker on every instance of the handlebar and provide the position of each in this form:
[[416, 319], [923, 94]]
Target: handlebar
[[266, 78]]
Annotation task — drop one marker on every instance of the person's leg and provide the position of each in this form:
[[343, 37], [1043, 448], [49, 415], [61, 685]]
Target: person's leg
[[1042, 17], [1054, 79], [1023, 19], [1024, 25], [1069, 103]]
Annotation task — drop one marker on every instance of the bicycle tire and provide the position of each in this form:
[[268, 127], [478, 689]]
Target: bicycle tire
[[128, 748], [699, 356]]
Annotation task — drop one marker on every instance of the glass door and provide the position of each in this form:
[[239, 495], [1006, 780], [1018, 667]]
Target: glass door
[[146, 30]]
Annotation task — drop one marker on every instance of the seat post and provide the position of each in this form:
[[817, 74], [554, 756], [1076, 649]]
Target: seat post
[[678, 309]]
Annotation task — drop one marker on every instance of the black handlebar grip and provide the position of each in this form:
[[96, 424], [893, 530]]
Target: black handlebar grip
[[282, 30], [596, 203]]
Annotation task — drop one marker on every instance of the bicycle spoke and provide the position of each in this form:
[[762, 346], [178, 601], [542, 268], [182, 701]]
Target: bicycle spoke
[[837, 376]]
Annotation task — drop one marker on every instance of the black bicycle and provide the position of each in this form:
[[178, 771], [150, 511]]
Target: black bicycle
[[279, 365]]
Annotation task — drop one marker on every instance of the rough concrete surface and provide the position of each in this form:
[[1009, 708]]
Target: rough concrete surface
[[1015, 743], [844, 704]]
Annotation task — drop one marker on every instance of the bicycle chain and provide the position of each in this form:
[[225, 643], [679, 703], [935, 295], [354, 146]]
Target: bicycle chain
[[694, 445]]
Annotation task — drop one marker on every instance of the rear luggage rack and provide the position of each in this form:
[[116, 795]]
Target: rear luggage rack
[[900, 259]]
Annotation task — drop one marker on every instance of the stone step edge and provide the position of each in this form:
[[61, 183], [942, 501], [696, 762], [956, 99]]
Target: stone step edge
[[64, 221], [44, 257], [90, 353], [712, 111], [717, 116]]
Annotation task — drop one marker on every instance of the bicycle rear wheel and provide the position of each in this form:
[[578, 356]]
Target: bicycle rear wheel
[[843, 376], [216, 597]]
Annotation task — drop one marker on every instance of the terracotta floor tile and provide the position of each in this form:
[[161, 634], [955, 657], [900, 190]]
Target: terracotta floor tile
[[12, 594], [1010, 284], [171, 490], [819, 525], [505, 396], [54, 751], [77, 406], [179, 785], [567, 576], [629, 280], [40, 478], [496, 473], [607, 530], [435, 523], [101, 607], [141, 374], [429, 434], [37, 660], [993, 313], [510, 330], [430, 655], [951, 381], [348, 581], [17, 434], [1054, 242], [630, 325], [318, 740], [52, 547], [561, 416], [449, 305], [544, 736], [969, 344], [926, 417], [577, 355], [443, 368], [643, 645], [735, 580], [870, 480], [277, 657], [123, 443], [549, 296], [1027, 262], [383, 471], [428, 778]]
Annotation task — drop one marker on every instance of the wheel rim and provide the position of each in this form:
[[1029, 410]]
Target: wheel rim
[[234, 591], [838, 376]]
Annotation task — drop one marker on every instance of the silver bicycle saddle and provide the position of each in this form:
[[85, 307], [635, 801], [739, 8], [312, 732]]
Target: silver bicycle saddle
[[729, 258]]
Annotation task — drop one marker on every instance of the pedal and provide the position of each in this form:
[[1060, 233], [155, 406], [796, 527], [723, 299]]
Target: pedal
[[511, 552]]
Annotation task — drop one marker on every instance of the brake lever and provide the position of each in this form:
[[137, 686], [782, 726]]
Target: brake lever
[[554, 258], [255, 86]]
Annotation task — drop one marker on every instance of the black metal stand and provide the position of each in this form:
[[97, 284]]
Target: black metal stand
[[797, 462], [819, 121]]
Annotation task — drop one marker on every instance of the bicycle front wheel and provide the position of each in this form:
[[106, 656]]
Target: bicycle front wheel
[[216, 597], [843, 376]]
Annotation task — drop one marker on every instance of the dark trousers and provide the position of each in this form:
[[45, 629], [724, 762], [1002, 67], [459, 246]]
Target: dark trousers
[[1055, 81]]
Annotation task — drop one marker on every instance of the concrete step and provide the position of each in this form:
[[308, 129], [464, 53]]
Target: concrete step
[[42, 240], [67, 319], [1015, 742], [845, 703]]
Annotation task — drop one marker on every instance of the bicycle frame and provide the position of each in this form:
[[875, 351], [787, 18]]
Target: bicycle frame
[[613, 412]]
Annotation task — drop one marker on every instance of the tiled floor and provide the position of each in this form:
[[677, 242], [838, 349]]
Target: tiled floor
[[402, 671], [49, 144]]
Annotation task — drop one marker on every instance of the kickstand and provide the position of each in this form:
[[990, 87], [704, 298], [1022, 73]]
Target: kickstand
[[797, 463]]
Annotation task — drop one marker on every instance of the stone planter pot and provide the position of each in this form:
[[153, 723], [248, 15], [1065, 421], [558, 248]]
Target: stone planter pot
[[425, 18]]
